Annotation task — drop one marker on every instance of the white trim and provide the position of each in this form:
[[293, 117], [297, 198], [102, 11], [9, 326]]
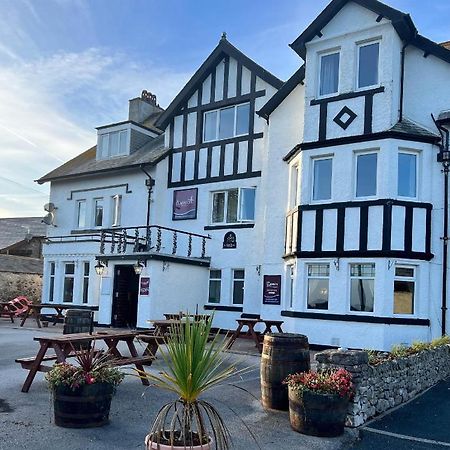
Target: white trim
[[349, 287]]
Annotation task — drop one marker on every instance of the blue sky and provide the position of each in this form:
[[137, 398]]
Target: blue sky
[[67, 66]]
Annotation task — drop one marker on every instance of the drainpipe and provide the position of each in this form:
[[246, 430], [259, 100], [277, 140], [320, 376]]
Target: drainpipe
[[149, 182], [402, 81], [444, 158]]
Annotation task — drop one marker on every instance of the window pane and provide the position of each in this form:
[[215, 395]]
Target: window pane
[[117, 202], [362, 270], [362, 295], [238, 292], [81, 214], [407, 174], [210, 126], [52, 268], [238, 274], [232, 206], [404, 272], [329, 74], [123, 143], [218, 207], [86, 269], [85, 289], [319, 270], [114, 143], [403, 297], [70, 269], [322, 179], [104, 142], [217, 274], [317, 293], [226, 123], [247, 206], [242, 119], [98, 221], [368, 65], [366, 175], [68, 289], [214, 291], [51, 289]]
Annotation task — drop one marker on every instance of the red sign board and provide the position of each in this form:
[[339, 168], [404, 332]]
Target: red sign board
[[272, 290]]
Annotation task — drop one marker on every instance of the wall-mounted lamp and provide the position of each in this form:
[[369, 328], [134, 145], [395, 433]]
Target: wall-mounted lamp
[[258, 269], [165, 266], [336, 264], [140, 264], [100, 267], [391, 262]]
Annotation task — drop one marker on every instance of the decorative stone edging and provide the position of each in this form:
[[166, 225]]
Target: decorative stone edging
[[388, 384]]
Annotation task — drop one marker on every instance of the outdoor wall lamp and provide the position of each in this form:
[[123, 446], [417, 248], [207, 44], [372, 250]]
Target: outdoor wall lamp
[[100, 267], [139, 266]]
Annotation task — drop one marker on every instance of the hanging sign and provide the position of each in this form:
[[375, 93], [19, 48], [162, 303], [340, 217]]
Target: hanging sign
[[229, 240], [184, 204], [272, 290], [145, 286]]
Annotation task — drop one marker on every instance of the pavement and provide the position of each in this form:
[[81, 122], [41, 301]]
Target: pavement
[[26, 419]]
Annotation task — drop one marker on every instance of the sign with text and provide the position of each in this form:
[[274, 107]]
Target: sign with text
[[229, 240], [145, 286], [272, 290], [184, 204]]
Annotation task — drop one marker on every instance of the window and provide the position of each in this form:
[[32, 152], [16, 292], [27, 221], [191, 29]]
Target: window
[[215, 284], [113, 144], [98, 212], [81, 214], [290, 290], [226, 122], [85, 282], [116, 210], [294, 196], [362, 280], [51, 284], [404, 288], [329, 74], [322, 174], [69, 275], [407, 175], [318, 286], [368, 65], [233, 206], [366, 175], [238, 286]]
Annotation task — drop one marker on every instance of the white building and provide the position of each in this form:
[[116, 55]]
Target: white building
[[326, 211]]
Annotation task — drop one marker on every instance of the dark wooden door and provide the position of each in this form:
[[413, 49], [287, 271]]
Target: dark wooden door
[[125, 297]]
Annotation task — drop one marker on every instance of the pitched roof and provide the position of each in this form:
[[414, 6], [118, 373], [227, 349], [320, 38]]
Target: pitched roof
[[18, 229], [21, 264], [87, 164], [411, 128], [222, 49], [401, 21], [282, 93]]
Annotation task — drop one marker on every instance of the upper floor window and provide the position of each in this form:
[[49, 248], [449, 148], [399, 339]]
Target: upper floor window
[[407, 175], [98, 212], [226, 122], [322, 173], [81, 213], [329, 74], [368, 64], [113, 144], [116, 210], [233, 206], [366, 174], [362, 287]]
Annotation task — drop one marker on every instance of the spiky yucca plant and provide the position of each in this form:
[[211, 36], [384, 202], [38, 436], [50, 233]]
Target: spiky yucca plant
[[194, 365]]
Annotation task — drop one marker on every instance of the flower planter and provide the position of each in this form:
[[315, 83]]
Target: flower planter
[[85, 407], [317, 414], [155, 446]]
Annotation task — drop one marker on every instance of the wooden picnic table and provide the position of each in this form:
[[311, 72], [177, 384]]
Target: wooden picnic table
[[5, 308], [251, 333], [63, 346], [162, 327]]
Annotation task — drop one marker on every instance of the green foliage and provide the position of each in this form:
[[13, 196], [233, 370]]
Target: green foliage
[[400, 351], [440, 341]]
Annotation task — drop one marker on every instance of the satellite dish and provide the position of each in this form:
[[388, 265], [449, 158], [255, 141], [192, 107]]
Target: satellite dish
[[49, 207], [49, 219]]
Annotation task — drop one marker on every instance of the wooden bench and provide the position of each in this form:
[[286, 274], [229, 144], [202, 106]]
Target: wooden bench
[[146, 360]]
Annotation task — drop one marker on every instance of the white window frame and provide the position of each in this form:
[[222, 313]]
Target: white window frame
[[358, 46], [85, 277], [225, 206], [77, 214], [220, 283], [314, 277], [350, 278], [217, 138], [320, 55], [290, 285], [417, 155], [73, 276], [51, 289], [294, 193], [355, 173], [106, 152], [233, 280], [313, 161], [116, 210], [98, 199], [409, 279]]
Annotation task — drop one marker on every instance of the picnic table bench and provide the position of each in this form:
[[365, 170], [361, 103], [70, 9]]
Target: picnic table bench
[[63, 346], [5, 308]]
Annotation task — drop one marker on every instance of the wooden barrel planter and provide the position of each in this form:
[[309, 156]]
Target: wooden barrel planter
[[85, 407], [283, 354], [317, 414]]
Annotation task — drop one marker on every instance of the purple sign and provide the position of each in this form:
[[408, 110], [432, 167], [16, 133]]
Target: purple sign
[[185, 204], [272, 290], [145, 286]]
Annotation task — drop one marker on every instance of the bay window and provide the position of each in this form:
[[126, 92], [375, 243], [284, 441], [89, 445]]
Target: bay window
[[226, 122], [329, 74], [368, 56], [69, 277], [366, 174], [362, 285], [404, 289], [318, 285], [407, 175], [233, 206]]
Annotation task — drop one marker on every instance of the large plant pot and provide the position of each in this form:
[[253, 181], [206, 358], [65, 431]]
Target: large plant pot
[[317, 414], [155, 446], [85, 407]]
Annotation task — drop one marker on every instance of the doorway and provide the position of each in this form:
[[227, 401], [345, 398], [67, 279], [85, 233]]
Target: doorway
[[125, 297]]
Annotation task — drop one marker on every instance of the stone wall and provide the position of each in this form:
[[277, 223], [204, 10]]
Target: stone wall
[[15, 284], [381, 387]]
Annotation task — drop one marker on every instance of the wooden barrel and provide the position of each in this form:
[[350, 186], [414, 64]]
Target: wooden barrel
[[78, 321], [282, 355], [85, 407]]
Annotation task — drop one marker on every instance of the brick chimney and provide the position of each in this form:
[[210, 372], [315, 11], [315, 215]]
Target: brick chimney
[[141, 108]]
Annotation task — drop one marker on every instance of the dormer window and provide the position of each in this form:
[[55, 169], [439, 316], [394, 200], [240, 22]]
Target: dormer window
[[329, 73], [368, 56], [113, 144], [226, 123]]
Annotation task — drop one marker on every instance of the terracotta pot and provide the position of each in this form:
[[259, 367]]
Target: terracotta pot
[[317, 414], [154, 446]]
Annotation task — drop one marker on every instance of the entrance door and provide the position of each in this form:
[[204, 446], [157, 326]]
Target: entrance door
[[125, 297]]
